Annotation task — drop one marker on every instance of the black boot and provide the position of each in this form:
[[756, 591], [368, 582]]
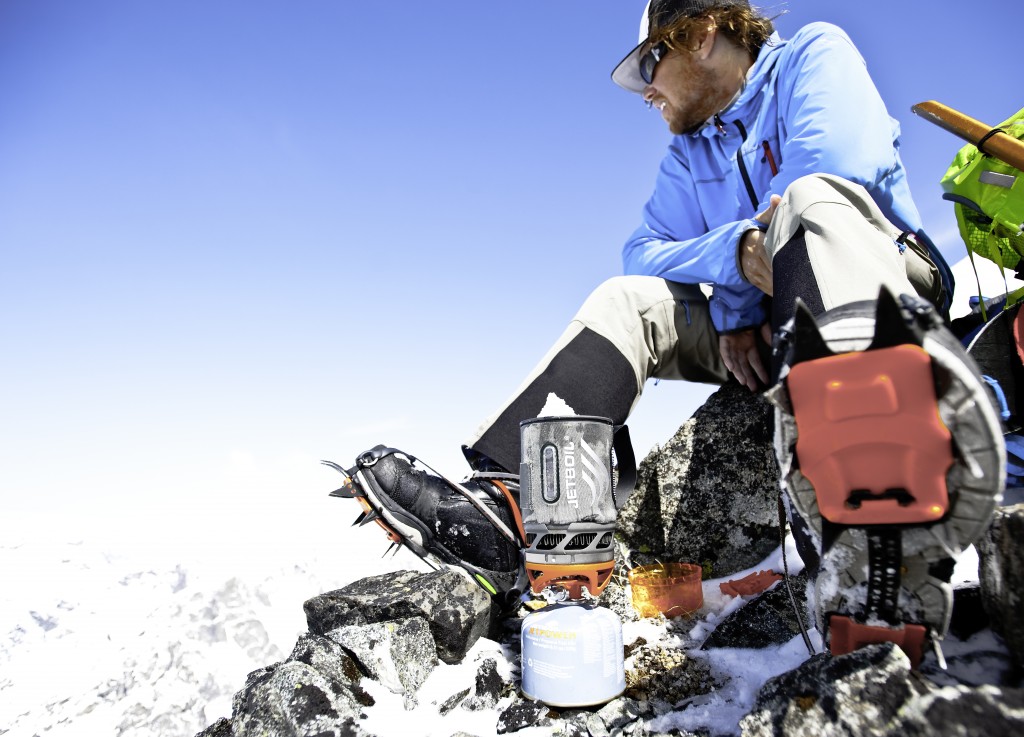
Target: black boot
[[473, 524]]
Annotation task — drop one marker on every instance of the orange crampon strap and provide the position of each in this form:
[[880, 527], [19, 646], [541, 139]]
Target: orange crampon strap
[[845, 636], [572, 577], [870, 439], [512, 506]]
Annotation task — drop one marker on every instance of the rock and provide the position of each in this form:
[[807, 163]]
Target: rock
[[617, 597], [457, 611], [855, 694], [620, 716], [710, 495], [316, 689], [873, 692], [632, 647], [220, 728], [596, 726], [520, 714], [238, 701], [399, 654], [1002, 576], [331, 660], [957, 710], [670, 675], [451, 702], [574, 726], [618, 713], [293, 698], [489, 683], [767, 620], [488, 688]]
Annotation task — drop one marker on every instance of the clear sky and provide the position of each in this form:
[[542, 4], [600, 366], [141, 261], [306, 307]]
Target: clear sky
[[239, 237]]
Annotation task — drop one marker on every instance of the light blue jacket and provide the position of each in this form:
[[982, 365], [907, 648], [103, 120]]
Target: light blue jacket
[[810, 101]]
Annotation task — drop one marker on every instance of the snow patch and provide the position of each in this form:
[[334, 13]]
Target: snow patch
[[555, 406], [393, 713]]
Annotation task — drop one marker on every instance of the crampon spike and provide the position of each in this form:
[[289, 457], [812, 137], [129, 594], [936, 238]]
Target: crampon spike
[[359, 520], [335, 466], [368, 517], [808, 344], [348, 491], [891, 327]]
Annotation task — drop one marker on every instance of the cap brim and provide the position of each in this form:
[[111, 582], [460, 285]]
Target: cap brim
[[627, 74]]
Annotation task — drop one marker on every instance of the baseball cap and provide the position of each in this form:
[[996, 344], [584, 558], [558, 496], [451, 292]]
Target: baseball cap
[[659, 13]]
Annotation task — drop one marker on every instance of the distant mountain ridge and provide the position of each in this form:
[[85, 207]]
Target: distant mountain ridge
[[93, 642]]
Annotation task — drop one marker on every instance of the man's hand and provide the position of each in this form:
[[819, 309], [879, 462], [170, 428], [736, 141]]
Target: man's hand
[[754, 264], [741, 357]]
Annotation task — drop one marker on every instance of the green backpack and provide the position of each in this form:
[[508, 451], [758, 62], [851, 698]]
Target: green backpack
[[989, 202]]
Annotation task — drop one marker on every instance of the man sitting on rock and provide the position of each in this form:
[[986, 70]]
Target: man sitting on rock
[[783, 190]]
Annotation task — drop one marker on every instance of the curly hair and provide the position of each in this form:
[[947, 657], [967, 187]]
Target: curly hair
[[741, 24]]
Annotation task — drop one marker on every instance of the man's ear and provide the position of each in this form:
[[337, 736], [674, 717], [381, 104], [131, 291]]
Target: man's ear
[[707, 39]]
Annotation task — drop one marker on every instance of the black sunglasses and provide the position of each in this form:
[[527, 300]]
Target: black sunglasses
[[649, 60]]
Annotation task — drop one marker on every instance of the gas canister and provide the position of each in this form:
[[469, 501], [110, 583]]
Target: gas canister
[[572, 655]]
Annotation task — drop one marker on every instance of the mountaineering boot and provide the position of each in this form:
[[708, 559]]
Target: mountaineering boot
[[890, 451], [474, 525]]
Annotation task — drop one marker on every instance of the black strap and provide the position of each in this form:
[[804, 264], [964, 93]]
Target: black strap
[[626, 465], [981, 144], [885, 556]]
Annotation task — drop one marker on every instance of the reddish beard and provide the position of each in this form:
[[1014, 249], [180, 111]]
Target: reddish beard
[[703, 98]]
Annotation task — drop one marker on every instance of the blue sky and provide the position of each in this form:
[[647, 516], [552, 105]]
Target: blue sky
[[238, 237]]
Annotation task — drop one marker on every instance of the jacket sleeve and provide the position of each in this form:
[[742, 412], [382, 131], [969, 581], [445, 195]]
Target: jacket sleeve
[[674, 243], [832, 118]]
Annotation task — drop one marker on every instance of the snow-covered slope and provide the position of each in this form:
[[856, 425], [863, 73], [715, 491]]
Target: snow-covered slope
[[92, 643], [147, 640]]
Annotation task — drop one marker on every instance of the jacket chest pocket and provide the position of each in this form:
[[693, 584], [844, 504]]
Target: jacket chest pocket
[[758, 160]]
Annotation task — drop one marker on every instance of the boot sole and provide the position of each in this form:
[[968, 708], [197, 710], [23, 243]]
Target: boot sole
[[934, 520]]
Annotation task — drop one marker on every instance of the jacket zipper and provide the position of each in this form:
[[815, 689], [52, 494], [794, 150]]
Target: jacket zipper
[[739, 160]]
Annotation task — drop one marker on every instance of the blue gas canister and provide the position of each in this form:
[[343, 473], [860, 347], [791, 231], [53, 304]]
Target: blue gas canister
[[572, 655]]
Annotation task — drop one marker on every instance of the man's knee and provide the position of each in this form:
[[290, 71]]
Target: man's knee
[[827, 189], [623, 297], [813, 189], [830, 244]]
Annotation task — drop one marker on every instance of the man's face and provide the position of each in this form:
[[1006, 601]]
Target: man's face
[[686, 91]]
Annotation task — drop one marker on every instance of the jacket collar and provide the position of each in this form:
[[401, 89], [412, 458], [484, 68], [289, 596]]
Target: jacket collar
[[756, 77]]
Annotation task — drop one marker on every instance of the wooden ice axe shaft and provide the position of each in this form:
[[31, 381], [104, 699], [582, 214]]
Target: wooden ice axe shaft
[[999, 145]]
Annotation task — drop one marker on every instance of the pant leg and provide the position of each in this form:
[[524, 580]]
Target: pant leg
[[630, 329], [831, 245]]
